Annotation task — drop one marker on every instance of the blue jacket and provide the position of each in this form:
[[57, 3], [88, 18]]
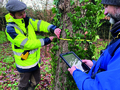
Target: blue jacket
[[109, 61]]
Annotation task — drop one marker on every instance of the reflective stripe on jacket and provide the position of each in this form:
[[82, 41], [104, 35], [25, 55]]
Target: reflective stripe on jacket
[[24, 38]]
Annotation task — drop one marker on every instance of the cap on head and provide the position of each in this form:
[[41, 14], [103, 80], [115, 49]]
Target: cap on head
[[15, 6], [111, 2]]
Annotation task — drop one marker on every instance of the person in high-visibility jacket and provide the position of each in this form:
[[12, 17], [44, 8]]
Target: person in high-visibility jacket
[[20, 31]]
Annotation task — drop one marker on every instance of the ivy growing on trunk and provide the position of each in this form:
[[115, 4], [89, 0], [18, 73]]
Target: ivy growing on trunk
[[79, 21]]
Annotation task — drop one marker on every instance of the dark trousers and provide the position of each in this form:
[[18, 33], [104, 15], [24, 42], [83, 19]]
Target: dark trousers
[[29, 80]]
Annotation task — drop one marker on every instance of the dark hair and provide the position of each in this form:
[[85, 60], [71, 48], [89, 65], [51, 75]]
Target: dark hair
[[13, 13]]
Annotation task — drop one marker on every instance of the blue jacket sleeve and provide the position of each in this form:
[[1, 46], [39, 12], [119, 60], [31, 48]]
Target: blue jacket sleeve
[[93, 62], [79, 78], [84, 81], [52, 28], [47, 40]]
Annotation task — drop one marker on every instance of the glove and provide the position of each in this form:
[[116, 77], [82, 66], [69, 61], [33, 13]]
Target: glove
[[57, 32], [51, 38]]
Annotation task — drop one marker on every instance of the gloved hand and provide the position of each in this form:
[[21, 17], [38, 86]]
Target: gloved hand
[[51, 38], [57, 32]]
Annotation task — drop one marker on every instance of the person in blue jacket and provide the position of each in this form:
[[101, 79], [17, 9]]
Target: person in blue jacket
[[105, 73]]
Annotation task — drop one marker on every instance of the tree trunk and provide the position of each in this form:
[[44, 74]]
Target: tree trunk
[[60, 78]]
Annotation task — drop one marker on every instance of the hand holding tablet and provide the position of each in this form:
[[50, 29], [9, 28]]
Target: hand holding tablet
[[71, 59]]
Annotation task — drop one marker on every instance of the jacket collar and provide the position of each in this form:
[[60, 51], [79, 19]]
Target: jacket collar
[[115, 29], [20, 22]]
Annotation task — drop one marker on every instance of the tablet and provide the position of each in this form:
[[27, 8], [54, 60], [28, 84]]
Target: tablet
[[71, 59]]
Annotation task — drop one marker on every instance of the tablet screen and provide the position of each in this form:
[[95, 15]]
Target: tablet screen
[[72, 60]]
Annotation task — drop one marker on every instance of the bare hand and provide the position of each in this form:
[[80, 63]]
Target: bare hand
[[72, 69], [89, 63]]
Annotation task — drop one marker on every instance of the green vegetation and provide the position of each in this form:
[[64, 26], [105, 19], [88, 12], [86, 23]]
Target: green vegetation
[[8, 72], [99, 45], [2, 37]]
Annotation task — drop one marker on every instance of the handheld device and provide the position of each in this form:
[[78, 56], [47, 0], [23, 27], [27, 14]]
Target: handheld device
[[25, 54], [71, 59]]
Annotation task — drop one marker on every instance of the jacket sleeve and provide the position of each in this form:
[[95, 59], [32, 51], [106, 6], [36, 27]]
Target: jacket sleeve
[[106, 80], [93, 62], [23, 42], [40, 25]]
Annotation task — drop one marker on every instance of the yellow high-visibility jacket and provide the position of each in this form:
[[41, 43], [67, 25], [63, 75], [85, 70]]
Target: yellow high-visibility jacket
[[21, 33]]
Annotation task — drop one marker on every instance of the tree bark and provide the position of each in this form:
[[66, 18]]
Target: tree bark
[[64, 8]]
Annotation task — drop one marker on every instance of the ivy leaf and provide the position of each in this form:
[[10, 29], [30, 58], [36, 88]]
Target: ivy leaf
[[71, 2], [69, 14], [81, 1], [77, 8], [54, 10], [83, 7], [86, 0]]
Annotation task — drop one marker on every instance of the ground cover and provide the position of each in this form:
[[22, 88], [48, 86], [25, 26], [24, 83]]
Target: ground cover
[[100, 44]]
